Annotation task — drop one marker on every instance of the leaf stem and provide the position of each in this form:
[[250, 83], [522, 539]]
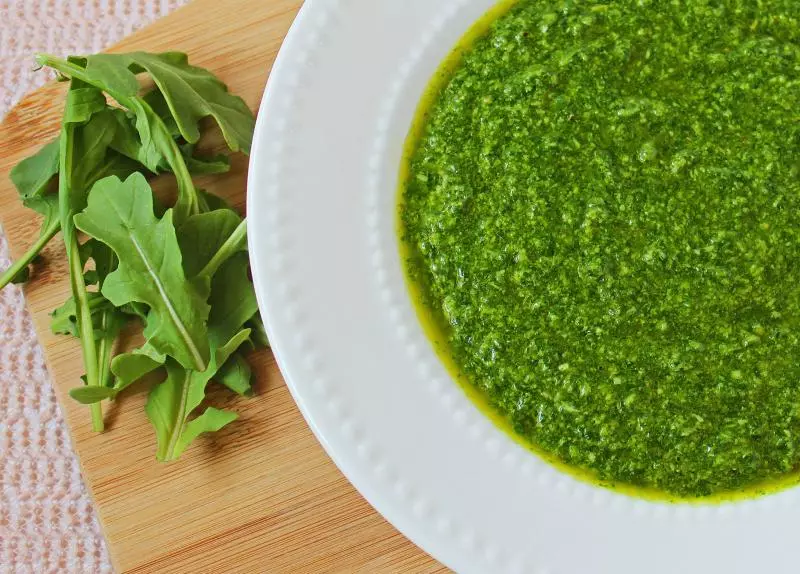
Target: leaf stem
[[188, 201], [83, 311], [30, 255], [231, 245], [85, 329], [104, 352], [180, 418]]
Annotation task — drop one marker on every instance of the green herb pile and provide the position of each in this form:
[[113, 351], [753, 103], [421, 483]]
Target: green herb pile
[[181, 271], [603, 214]]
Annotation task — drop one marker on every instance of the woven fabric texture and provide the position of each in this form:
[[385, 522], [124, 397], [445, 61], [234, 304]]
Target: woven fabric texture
[[47, 522]]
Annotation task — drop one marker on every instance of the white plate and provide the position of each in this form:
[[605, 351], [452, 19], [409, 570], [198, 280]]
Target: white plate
[[321, 205]]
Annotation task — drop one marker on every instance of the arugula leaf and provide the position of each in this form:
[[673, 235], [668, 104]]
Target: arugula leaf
[[64, 319], [105, 260], [232, 299], [203, 235], [107, 322], [112, 321], [32, 176], [259, 333], [120, 214], [127, 143], [211, 420], [236, 242], [47, 206], [130, 367], [156, 139], [83, 145], [136, 309], [235, 375], [91, 395], [133, 254], [157, 146], [158, 104], [191, 93], [213, 202], [83, 101], [204, 165], [171, 403]]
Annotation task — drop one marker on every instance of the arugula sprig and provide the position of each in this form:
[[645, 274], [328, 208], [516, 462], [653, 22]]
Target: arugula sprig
[[190, 94], [181, 271], [120, 214]]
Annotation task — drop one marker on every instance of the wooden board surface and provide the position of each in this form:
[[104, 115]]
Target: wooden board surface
[[260, 496]]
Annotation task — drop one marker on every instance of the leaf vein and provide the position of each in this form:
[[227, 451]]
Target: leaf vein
[[198, 358]]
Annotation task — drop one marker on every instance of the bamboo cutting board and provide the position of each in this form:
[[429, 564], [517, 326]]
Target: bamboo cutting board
[[260, 496]]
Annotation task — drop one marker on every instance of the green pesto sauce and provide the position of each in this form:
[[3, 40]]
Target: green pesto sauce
[[601, 211]]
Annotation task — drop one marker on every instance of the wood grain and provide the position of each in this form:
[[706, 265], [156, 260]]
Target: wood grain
[[260, 496]]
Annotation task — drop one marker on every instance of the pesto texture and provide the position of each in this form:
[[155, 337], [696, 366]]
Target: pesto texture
[[603, 213]]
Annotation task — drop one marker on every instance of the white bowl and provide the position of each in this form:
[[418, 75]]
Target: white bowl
[[321, 204]]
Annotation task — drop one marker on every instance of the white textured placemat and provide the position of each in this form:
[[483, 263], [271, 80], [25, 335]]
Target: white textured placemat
[[47, 522]]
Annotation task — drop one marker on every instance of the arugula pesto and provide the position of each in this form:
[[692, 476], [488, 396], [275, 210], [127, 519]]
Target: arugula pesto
[[601, 211]]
